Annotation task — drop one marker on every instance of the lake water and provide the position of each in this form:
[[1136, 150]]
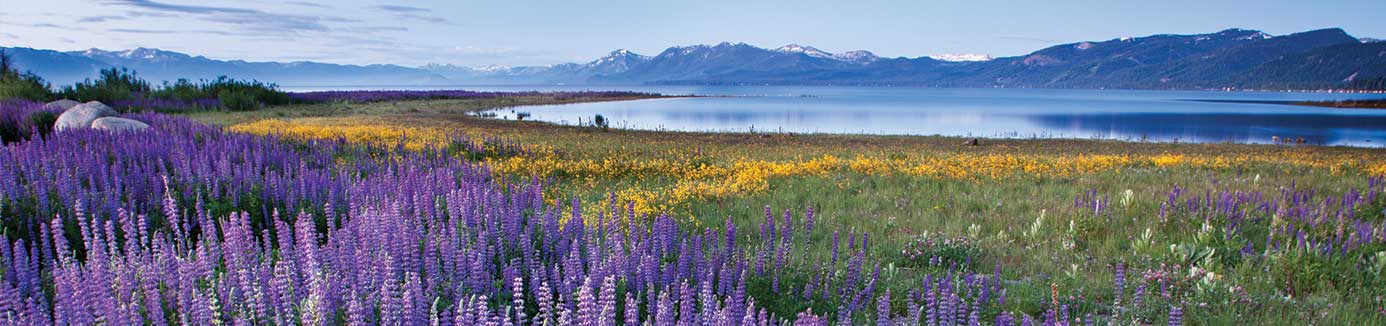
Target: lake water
[[1164, 116]]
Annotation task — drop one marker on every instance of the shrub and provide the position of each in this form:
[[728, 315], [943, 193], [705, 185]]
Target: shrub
[[237, 100], [115, 84], [939, 250], [16, 85], [20, 119], [188, 91], [600, 122], [43, 121], [181, 90]]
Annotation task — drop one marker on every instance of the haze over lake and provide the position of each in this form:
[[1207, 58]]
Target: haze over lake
[[1164, 116]]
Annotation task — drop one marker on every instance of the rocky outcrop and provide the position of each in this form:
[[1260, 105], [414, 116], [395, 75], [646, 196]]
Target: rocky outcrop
[[118, 124], [62, 104], [81, 116]]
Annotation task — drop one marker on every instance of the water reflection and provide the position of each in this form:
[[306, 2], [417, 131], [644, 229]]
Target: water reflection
[[1223, 127], [1011, 113]]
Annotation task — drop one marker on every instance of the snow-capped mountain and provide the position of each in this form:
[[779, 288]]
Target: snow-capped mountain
[[145, 54], [155, 65], [858, 56], [1229, 58], [806, 50], [617, 61], [965, 57]]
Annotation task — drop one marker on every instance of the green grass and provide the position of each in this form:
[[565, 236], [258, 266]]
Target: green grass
[[1285, 288]]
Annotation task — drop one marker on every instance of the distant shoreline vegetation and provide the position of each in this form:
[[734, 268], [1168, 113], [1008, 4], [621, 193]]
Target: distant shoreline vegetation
[[363, 96], [1324, 60], [1344, 89], [124, 90], [1344, 104]]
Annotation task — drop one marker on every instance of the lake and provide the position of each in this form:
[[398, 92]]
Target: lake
[[1162, 116]]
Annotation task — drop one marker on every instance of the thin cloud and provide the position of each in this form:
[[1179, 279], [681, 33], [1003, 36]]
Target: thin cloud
[[243, 18], [397, 8], [430, 19], [411, 13], [308, 4], [141, 31], [368, 29], [160, 6], [98, 19], [43, 25]]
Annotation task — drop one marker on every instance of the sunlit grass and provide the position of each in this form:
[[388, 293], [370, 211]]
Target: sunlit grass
[[1015, 198]]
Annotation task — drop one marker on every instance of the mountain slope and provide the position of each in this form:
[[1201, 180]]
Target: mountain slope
[[55, 67], [1239, 58], [65, 68]]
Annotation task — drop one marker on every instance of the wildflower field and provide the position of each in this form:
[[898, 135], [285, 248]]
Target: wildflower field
[[364, 209]]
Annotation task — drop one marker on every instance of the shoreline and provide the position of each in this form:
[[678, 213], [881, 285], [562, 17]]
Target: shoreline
[[1344, 104], [429, 112]]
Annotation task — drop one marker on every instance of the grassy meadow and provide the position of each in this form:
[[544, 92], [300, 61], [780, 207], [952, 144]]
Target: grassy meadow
[[1228, 233]]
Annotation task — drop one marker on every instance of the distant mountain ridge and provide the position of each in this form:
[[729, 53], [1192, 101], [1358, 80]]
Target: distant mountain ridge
[[1233, 58], [65, 68]]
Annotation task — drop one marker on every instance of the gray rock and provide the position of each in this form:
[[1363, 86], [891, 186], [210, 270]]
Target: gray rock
[[81, 116], [62, 104], [118, 124]]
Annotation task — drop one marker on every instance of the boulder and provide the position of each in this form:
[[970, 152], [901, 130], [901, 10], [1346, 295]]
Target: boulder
[[62, 104], [81, 116], [118, 124]]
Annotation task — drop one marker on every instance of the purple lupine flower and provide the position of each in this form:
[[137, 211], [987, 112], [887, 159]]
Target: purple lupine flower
[[632, 310], [1119, 282], [1063, 314], [686, 305], [883, 310], [807, 318], [404, 232], [1004, 319], [517, 290], [357, 311], [607, 299], [664, 315], [1176, 316], [588, 308], [974, 315], [1138, 298]]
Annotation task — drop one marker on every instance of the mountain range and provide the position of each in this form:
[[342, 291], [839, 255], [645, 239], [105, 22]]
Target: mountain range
[[1233, 58]]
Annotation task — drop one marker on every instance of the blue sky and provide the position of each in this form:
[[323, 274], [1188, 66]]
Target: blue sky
[[537, 32]]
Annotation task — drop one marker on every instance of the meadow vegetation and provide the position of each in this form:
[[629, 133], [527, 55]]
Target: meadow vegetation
[[1061, 215], [414, 208]]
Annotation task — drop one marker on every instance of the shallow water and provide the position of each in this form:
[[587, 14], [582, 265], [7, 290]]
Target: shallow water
[[1165, 116]]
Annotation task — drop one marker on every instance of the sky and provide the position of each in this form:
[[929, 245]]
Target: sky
[[542, 32]]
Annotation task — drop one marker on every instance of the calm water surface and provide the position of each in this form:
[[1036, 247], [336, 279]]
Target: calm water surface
[[1005, 113]]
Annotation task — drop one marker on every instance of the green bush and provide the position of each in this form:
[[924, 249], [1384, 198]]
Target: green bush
[[25, 86], [44, 121], [600, 122], [9, 133], [182, 90], [14, 84], [186, 90], [238, 100], [940, 250], [115, 84]]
